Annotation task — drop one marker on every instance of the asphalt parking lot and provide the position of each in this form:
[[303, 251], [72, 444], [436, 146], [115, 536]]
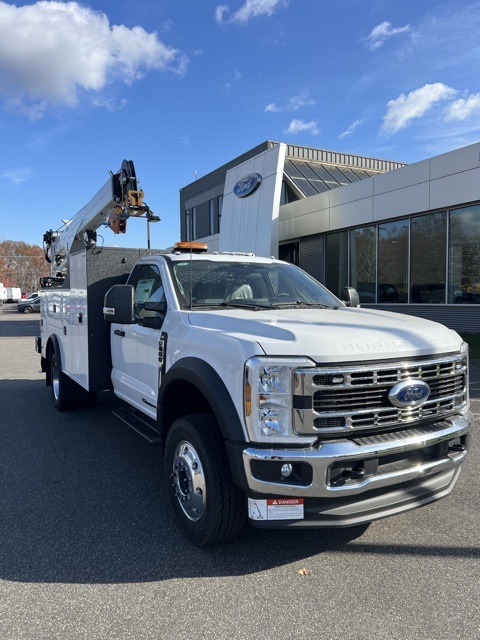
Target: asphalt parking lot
[[89, 549]]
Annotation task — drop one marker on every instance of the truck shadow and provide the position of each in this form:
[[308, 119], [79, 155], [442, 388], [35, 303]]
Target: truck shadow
[[83, 502]]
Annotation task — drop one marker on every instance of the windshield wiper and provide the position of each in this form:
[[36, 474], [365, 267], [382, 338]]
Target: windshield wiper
[[245, 305], [301, 304]]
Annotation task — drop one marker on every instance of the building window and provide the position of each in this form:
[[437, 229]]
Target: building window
[[194, 223], [393, 262], [363, 262], [336, 266], [211, 217], [428, 258], [188, 228], [464, 256], [290, 252], [220, 207]]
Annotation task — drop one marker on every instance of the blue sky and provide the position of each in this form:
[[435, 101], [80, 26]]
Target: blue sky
[[183, 86]]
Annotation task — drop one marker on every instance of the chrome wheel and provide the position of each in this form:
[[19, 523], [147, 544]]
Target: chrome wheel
[[188, 481], [55, 380]]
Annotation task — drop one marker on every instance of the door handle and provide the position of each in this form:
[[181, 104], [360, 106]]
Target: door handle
[[120, 333]]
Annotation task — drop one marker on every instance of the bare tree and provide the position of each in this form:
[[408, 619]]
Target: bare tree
[[22, 265]]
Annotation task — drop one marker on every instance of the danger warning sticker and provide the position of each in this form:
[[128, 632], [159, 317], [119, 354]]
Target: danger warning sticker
[[276, 509]]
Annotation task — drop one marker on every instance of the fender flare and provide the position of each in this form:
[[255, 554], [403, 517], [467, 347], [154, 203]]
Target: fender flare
[[204, 377]]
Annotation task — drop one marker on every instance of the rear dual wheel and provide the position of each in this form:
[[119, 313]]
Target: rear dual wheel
[[66, 393]]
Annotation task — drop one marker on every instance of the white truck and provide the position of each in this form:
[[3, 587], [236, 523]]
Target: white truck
[[13, 294], [275, 402]]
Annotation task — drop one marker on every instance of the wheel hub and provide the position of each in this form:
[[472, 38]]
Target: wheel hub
[[188, 481], [55, 382]]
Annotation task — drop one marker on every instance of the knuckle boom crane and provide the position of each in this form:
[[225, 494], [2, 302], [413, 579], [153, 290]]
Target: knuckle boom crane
[[118, 199]]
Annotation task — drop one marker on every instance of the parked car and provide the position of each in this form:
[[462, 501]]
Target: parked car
[[27, 306]]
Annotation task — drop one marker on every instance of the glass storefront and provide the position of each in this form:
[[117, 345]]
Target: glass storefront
[[393, 262], [464, 256], [363, 262], [427, 259], [337, 261]]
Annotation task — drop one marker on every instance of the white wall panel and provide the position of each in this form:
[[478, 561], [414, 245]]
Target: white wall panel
[[352, 213], [392, 204], [250, 224], [455, 161], [403, 177], [316, 222], [455, 189], [352, 192]]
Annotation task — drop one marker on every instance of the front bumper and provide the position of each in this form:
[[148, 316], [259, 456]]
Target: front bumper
[[357, 479]]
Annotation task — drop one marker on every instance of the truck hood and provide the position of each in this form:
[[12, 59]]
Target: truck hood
[[332, 335]]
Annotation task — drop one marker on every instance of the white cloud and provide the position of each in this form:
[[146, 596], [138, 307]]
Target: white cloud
[[17, 176], [110, 104], [236, 77], [300, 100], [404, 109], [294, 103], [272, 108], [351, 129], [220, 11], [463, 109], [297, 126], [382, 32], [251, 9], [52, 51], [166, 26]]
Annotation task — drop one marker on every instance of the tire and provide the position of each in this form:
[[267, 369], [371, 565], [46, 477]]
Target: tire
[[65, 392], [27, 310], [210, 509]]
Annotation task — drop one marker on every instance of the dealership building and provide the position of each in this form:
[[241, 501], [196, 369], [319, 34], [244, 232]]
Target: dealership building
[[407, 237]]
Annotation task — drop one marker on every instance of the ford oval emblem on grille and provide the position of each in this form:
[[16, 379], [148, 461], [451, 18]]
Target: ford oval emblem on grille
[[410, 393], [247, 185]]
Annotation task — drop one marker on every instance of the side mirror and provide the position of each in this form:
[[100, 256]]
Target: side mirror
[[350, 297], [118, 304]]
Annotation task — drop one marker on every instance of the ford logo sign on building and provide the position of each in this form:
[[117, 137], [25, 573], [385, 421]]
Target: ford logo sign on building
[[247, 185], [410, 393]]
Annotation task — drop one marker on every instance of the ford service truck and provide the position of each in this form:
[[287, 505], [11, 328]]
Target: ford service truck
[[274, 402]]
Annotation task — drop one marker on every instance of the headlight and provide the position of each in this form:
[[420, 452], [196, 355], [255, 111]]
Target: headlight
[[268, 399]]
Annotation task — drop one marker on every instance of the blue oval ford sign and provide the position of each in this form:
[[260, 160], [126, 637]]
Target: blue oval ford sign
[[410, 393], [247, 185]]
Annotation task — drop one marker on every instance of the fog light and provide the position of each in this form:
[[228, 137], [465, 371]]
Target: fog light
[[286, 470]]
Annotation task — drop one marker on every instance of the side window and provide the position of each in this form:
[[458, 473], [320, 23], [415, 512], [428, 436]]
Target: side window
[[148, 286]]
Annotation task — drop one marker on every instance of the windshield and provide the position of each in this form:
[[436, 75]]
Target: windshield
[[208, 283]]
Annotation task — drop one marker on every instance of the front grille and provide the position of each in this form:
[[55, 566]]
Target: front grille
[[357, 397]]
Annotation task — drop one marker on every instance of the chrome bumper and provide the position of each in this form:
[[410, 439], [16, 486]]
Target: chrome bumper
[[361, 452]]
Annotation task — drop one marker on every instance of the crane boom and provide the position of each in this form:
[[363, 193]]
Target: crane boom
[[112, 205]]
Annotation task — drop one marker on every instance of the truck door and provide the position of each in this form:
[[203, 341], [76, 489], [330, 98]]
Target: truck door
[[135, 347]]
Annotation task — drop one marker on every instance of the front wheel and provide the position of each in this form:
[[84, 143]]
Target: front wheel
[[27, 310], [209, 507]]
